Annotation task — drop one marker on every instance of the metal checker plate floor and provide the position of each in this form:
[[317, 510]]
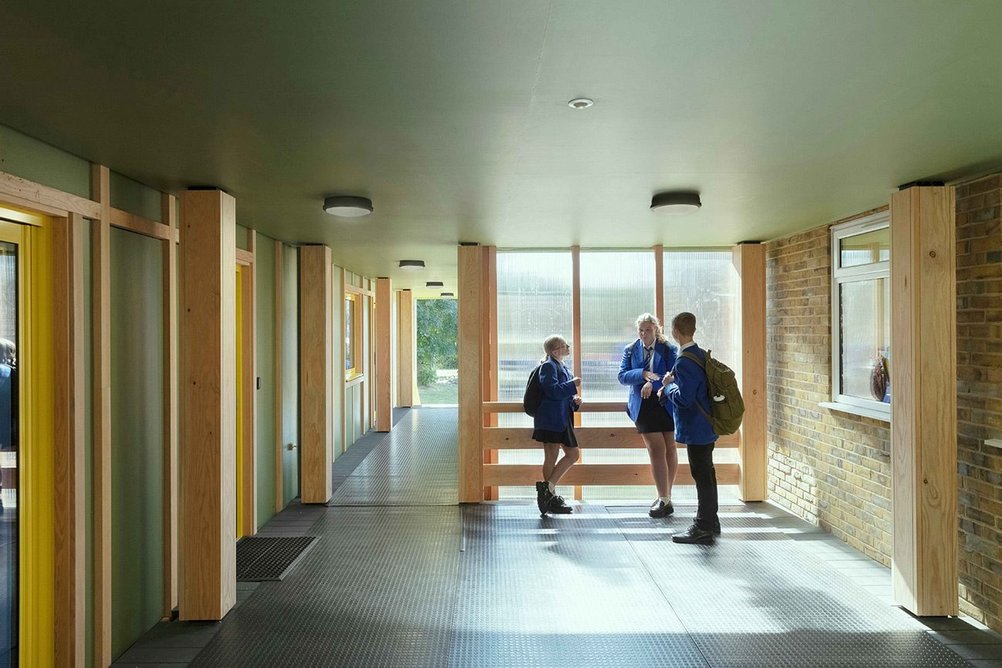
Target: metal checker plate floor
[[262, 558]]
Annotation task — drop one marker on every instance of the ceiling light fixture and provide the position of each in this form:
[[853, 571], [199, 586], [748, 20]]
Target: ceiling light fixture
[[448, 294], [348, 206], [580, 103], [676, 202], [411, 265], [434, 284]]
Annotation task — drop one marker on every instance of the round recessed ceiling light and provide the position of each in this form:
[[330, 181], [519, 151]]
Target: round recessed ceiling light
[[448, 294], [348, 206], [434, 284], [676, 202], [580, 103], [411, 265]]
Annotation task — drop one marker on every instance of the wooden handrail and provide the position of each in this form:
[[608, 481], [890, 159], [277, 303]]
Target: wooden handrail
[[600, 474], [586, 407], [520, 438]]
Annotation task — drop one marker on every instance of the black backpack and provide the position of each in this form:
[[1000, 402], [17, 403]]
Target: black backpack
[[533, 396]]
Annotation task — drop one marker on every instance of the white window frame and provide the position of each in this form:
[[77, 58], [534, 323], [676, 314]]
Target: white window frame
[[876, 270]]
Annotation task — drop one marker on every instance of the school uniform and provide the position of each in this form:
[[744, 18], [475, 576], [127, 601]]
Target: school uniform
[[647, 414], [553, 422]]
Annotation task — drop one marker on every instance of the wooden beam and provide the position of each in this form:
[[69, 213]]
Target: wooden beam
[[489, 335], [170, 368], [406, 341], [207, 463], [599, 474], [586, 407], [27, 193], [471, 313], [355, 289], [133, 223], [248, 375], [279, 333], [382, 375], [69, 428], [520, 438], [749, 260], [101, 420], [245, 257], [924, 397], [315, 375], [659, 285]]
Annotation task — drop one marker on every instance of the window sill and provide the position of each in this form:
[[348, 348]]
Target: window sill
[[994, 442], [354, 380], [857, 410]]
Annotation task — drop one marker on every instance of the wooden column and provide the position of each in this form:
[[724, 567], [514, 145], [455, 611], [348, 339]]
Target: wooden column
[[383, 374], [923, 368], [489, 343], [101, 391], [749, 260], [316, 449], [168, 206], [69, 428], [207, 527], [406, 343], [471, 314]]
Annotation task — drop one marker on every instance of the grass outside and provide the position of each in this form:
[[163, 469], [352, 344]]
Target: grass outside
[[439, 393]]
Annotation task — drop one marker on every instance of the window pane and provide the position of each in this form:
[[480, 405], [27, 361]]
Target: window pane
[[534, 301], [865, 248], [705, 283], [865, 335], [615, 289]]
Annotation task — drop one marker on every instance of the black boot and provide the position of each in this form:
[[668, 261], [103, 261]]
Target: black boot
[[558, 506], [543, 496]]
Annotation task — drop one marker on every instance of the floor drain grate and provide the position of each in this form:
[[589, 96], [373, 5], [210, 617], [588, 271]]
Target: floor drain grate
[[262, 558]]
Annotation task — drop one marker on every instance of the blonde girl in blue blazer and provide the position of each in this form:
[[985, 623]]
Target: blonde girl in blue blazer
[[553, 425], [644, 363]]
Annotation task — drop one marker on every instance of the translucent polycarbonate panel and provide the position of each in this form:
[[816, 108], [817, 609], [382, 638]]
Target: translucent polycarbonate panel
[[534, 301], [865, 336], [865, 248], [705, 284], [616, 287], [9, 457]]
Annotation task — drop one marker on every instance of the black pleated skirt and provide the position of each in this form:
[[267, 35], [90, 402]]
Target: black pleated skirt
[[653, 417]]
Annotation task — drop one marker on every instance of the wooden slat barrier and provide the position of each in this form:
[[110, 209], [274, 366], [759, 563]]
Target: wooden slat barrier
[[520, 438], [600, 474]]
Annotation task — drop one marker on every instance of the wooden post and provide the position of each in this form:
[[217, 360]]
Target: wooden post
[[471, 315], [69, 428], [406, 343], [749, 260], [278, 408], [315, 375], [383, 374], [248, 376], [101, 391], [576, 345], [923, 370], [207, 528], [168, 204]]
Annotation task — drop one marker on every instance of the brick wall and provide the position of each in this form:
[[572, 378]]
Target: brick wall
[[979, 397], [828, 467]]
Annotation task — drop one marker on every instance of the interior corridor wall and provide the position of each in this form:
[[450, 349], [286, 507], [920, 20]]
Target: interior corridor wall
[[136, 435], [290, 373], [337, 394], [264, 397]]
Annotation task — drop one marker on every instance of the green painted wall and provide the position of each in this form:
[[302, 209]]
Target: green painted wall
[[290, 372], [37, 161], [264, 408], [137, 436], [242, 237], [134, 197]]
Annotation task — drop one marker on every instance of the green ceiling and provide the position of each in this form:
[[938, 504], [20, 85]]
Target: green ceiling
[[451, 114]]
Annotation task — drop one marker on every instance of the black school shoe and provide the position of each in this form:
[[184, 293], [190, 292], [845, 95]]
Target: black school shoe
[[716, 527], [543, 496], [694, 535], [661, 509], [558, 506]]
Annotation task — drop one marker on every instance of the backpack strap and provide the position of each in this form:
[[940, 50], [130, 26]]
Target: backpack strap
[[702, 365]]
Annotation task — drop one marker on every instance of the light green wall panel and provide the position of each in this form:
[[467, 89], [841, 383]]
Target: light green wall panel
[[264, 398], [134, 197], [338, 339], [37, 161], [290, 372], [243, 238], [137, 436]]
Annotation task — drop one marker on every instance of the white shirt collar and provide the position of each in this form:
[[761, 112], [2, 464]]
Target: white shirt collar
[[688, 345]]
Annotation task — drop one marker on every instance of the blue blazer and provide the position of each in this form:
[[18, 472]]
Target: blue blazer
[[555, 410], [686, 395], [631, 371]]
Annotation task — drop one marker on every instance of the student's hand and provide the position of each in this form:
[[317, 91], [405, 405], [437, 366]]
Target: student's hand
[[651, 376], [576, 381], [661, 392], [668, 378], [577, 400], [646, 390]]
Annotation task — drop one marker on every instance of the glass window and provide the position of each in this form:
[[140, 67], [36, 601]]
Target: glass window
[[861, 315], [705, 283], [352, 338], [616, 287], [534, 301]]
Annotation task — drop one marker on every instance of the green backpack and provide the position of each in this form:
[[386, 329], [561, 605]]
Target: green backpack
[[726, 405]]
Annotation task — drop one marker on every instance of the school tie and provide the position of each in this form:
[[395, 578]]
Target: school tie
[[648, 354]]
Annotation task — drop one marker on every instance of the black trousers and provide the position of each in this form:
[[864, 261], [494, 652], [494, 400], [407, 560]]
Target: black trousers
[[705, 476]]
